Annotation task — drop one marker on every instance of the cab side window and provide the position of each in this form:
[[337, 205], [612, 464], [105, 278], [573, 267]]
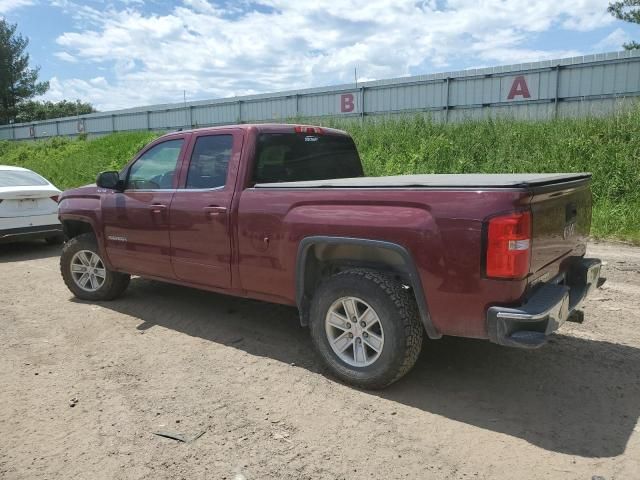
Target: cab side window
[[156, 168], [210, 161]]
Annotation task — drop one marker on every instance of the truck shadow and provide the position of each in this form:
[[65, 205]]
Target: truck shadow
[[574, 396], [27, 250]]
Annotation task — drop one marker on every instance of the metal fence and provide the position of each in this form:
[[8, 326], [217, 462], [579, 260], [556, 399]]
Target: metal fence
[[579, 86]]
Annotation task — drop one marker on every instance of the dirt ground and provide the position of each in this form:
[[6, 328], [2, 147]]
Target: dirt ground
[[167, 358]]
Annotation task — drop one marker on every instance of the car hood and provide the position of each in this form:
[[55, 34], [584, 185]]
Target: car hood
[[84, 191]]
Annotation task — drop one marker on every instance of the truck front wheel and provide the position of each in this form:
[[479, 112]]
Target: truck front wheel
[[365, 326], [85, 272]]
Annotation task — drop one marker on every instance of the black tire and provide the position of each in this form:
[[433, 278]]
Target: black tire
[[396, 308], [54, 240], [115, 283]]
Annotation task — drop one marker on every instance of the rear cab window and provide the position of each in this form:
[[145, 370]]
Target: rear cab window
[[293, 157], [21, 178]]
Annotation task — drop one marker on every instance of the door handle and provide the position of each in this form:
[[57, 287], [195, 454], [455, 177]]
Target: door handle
[[214, 211], [157, 208]]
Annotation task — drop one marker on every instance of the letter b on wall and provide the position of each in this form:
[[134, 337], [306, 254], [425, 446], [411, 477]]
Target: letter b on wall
[[347, 103]]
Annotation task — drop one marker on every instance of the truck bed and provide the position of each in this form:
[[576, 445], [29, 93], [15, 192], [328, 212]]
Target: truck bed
[[472, 180]]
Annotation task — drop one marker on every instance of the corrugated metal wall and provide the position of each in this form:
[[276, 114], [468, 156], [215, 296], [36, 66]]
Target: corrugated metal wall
[[592, 85]]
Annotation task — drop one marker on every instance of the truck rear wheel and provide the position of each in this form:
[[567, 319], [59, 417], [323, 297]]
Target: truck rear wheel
[[85, 272], [365, 326]]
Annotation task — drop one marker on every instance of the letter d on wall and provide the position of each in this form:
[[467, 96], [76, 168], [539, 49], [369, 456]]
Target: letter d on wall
[[346, 103]]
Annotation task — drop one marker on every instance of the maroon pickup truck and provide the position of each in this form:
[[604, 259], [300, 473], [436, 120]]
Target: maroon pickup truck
[[283, 213]]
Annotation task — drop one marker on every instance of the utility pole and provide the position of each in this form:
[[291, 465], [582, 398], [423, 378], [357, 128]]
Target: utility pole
[[186, 118]]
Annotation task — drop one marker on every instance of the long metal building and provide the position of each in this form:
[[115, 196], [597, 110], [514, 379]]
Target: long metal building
[[580, 86]]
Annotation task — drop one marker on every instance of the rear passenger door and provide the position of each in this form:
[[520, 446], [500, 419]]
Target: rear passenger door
[[200, 211]]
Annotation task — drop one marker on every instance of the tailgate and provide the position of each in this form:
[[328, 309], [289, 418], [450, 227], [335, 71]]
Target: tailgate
[[561, 221]]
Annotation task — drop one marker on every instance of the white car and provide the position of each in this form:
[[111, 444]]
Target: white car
[[28, 206]]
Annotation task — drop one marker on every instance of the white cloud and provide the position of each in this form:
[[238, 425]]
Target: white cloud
[[8, 5], [594, 15], [66, 57], [202, 6], [270, 45], [613, 41]]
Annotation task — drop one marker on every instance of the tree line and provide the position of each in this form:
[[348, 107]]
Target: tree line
[[627, 11], [19, 84]]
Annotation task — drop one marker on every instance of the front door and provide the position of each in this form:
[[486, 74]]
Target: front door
[[136, 221], [200, 212]]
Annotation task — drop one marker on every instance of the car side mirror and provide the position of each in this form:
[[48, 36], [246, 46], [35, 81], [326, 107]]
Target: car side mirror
[[109, 180]]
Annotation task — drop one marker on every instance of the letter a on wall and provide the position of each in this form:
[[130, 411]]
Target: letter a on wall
[[519, 88]]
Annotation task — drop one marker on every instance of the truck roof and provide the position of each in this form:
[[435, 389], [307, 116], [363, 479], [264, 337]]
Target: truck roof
[[265, 128]]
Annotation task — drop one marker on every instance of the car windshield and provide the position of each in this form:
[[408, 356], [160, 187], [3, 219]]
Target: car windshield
[[21, 178]]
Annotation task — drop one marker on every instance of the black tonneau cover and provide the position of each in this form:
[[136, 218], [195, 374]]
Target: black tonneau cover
[[471, 180]]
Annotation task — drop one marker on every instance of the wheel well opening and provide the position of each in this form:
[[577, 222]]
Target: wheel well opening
[[73, 228], [325, 259]]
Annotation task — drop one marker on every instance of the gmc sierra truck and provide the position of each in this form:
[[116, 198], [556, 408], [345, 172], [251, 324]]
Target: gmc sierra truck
[[284, 214]]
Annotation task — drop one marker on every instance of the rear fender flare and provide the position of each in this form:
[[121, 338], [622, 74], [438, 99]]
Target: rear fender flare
[[407, 267]]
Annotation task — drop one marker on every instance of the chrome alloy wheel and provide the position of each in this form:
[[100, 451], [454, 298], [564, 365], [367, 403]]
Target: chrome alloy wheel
[[87, 270], [354, 331]]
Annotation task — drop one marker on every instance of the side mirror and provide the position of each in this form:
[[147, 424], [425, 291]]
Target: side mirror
[[109, 180]]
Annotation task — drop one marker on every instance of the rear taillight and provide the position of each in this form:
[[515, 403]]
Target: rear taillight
[[508, 245], [309, 130], [54, 198]]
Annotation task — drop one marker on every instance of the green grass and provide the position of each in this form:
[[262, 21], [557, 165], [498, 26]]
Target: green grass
[[70, 163], [608, 147]]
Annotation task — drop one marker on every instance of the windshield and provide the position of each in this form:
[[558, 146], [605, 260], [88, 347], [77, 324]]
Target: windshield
[[292, 157], [21, 178]]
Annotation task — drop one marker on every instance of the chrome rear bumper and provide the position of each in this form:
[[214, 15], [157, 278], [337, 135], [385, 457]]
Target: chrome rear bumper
[[529, 325]]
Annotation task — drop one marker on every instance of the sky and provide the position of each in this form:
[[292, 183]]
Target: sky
[[126, 53]]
